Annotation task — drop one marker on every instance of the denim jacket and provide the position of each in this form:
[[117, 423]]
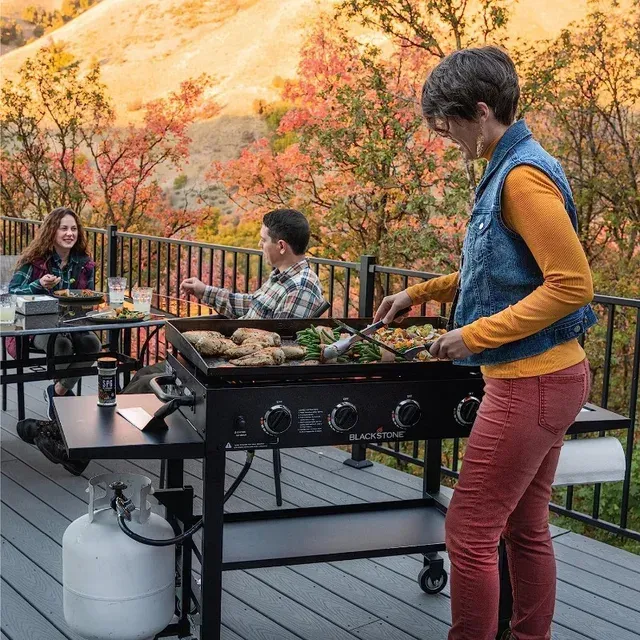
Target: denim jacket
[[497, 268]]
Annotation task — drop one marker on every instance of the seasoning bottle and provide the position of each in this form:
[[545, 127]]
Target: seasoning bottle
[[107, 374]]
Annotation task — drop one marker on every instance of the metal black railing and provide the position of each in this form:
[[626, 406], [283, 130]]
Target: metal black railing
[[352, 288]]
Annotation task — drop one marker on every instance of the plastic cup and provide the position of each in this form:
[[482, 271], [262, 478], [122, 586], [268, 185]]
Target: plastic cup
[[7, 306], [142, 299], [117, 287]]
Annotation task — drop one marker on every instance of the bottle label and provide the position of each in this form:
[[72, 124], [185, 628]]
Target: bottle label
[[107, 389]]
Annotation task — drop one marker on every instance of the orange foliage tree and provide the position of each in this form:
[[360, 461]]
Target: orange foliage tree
[[61, 146], [357, 159]]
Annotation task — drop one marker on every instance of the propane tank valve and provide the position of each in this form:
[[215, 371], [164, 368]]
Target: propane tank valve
[[122, 505]]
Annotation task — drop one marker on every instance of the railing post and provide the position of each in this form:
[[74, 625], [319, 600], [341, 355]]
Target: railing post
[[367, 285], [112, 271], [112, 250], [358, 457]]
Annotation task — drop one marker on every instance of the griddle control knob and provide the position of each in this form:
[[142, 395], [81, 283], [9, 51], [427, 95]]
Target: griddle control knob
[[343, 417], [465, 412], [407, 414], [277, 420]]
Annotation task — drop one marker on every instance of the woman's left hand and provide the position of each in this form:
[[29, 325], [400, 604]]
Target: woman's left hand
[[450, 346]]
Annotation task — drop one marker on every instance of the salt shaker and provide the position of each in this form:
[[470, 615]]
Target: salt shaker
[[107, 374]]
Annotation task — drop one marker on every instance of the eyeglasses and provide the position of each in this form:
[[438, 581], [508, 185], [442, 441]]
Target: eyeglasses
[[439, 125]]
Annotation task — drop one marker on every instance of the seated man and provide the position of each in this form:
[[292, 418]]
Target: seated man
[[292, 290]]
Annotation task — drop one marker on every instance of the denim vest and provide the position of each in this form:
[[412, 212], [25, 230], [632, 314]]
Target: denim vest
[[497, 268]]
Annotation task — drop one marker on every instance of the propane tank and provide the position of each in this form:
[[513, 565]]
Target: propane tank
[[114, 587]]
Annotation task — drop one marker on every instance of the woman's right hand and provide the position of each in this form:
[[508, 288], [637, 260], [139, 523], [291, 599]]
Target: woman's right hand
[[390, 306], [49, 281]]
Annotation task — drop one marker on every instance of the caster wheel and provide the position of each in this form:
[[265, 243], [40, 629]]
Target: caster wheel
[[429, 585]]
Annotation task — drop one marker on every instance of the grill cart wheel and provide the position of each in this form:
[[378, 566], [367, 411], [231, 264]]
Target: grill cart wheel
[[432, 585]]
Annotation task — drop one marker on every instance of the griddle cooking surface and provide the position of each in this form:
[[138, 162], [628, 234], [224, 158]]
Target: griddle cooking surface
[[219, 369]]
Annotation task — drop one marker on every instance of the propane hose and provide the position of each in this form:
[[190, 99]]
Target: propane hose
[[157, 543], [124, 513]]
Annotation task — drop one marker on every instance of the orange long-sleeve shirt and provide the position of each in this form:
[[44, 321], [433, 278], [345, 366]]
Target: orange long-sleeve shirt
[[533, 207]]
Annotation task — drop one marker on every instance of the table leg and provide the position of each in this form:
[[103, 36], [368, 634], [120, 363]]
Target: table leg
[[126, 349], [114, 347], [174, 474], [22, 351], [145, 345], [4, 384], [211, 594]]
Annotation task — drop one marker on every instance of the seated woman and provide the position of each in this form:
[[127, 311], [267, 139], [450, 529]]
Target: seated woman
[[58, 259]]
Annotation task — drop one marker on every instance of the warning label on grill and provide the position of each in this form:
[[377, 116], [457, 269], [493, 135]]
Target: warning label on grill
[[310, 420]]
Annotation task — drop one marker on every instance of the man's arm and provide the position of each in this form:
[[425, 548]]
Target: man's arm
[[226, 303]]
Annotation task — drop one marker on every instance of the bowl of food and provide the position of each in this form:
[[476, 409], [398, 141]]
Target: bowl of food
[[79, 295]]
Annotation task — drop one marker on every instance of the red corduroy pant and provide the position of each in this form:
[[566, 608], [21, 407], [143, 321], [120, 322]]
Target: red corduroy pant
[[504, 491]]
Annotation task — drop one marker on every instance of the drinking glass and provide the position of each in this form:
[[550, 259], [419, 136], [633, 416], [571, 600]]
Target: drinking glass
[[7, 305], [142, 299], [117, 287]]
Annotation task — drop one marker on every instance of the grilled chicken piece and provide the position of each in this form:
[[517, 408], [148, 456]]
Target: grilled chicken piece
[[293, 352], [263, 358], [208, 343], [246, 348], [240, 335], [194, 336]]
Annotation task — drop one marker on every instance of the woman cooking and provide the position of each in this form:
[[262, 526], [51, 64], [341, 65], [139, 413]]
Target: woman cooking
[[521, 301], [58, 259]]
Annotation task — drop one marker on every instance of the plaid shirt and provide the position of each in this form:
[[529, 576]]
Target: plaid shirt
[[26, 281], [292, 293]]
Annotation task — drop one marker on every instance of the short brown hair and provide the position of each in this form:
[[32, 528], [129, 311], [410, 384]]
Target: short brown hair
[[288, 225], [464, 78]]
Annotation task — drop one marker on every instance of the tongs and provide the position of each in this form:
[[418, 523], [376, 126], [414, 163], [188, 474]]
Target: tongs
[[409, 354], [340, 347]]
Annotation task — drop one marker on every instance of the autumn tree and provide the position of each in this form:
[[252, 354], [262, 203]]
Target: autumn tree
[[61, 146], [590, 120], [436, 27], [41, 133], [361, 165], [126, 190]]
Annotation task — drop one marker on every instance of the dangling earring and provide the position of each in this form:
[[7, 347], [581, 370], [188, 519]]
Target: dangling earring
[[480, 144]]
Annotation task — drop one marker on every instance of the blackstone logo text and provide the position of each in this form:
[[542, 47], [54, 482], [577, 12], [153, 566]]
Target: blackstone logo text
[[377, 435]]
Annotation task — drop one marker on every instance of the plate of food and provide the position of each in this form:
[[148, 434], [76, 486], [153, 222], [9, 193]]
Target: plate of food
[[78, 295], [119, 314]]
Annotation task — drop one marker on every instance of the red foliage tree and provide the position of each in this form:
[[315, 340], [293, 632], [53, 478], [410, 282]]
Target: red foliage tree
[[358, 159]]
